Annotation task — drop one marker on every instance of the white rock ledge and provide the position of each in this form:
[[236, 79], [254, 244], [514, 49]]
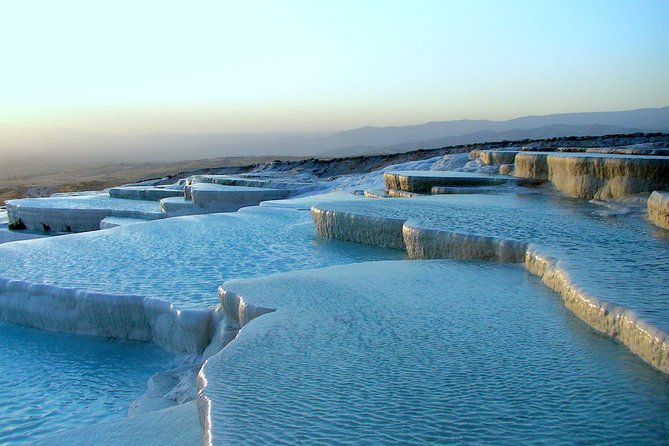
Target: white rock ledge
[[601, 177], [648, 342], [491, 157], [658, 209], [423, 181], [145, 193], [126, 317], [379, 231], [426, 243], [76, 214], [231, 315]]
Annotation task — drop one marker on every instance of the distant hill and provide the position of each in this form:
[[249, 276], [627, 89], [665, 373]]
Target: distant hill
[[62, 145], [652, 119], [548, 131]]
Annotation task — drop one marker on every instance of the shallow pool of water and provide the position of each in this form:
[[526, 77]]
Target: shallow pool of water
[[420, 352], [619, 257], [50, 382], [93, 201], [182, 260]]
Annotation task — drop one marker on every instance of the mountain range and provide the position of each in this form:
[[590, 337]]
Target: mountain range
[[63, 144]]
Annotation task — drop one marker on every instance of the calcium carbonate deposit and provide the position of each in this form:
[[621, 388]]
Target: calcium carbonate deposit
[[295, 303], [658, 209], [588, 175], [421, 352]]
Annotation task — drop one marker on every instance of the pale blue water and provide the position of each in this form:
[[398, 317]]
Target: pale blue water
[[421, 352], [182, 260], [620, 258], [427, 352], [95, 201], [50, 382]]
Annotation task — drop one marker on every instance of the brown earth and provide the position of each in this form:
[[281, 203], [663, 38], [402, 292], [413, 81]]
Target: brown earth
[[16, 180]]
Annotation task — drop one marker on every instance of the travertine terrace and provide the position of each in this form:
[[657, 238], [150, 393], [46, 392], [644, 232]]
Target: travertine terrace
[[602, 176], [308, 326], [658, 209]]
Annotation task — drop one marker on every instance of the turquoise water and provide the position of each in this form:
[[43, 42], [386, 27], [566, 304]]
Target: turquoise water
[[95, 201], [182, 260], [426, 352], [51, 382], [617, 256], [392, 352]]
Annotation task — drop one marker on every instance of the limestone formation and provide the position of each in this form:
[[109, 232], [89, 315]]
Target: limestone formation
[[658, 209], [601, 177], [423, 182], [422, 242], [491, 157]]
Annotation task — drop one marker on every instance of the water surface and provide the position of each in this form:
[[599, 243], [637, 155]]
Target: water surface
[[51, 382]]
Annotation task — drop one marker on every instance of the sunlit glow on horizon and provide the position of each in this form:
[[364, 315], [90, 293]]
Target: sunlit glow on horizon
[[261, 66]]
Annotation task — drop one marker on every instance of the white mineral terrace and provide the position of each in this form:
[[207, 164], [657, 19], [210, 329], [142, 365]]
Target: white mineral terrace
[[234, 180], [601, 176], [617, 287], [81, 213], [11, 236], [424, 181], [77, 213], [146, 193], [416, 352], [314, 339], [214, 197], [658, 209], [155, 281]]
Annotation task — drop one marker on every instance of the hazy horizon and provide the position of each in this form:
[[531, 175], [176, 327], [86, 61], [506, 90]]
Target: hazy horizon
[[24, 148], [321, 132], [225, 67]]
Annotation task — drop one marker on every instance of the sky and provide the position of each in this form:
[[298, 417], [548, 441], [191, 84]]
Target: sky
[[135, 67]]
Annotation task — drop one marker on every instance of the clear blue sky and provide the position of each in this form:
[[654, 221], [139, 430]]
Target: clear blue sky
[[235, 66]]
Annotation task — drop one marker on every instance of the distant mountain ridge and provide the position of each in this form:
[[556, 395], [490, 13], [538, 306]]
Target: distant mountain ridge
[[548, 131], [78, 146], [648, 119]]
